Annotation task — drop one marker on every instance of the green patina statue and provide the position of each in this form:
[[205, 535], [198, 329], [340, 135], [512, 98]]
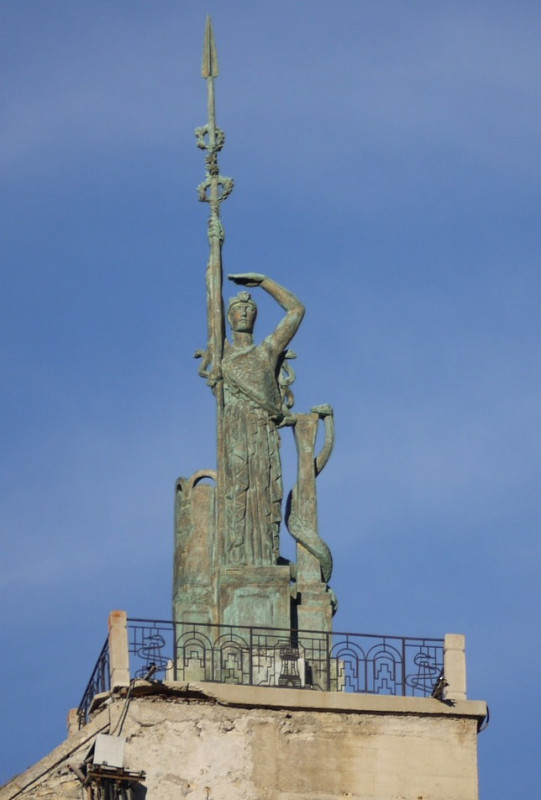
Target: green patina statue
[[228, 567], [253, 409]]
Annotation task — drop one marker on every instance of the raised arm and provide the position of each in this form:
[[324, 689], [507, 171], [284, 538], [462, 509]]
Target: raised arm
[[288, 326]]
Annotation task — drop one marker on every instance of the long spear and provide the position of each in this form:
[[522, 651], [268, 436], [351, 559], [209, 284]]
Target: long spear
[[214, 190]]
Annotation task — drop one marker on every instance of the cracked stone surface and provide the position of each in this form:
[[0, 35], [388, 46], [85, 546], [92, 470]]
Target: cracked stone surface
[[202, 750]]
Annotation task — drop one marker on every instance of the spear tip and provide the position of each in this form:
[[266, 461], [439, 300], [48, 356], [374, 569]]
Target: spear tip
[[209, 68]]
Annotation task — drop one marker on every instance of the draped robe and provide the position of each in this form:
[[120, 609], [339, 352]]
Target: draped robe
[[253, 474]]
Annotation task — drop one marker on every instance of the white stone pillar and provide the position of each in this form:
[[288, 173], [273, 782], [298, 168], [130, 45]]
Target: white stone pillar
[[454, 666], [119, 658], [73, 721]]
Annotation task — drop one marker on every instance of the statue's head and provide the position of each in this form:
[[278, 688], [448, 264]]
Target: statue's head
[[242, 312]]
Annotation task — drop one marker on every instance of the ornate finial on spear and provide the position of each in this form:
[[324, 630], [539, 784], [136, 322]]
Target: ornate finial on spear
[[214, 190]]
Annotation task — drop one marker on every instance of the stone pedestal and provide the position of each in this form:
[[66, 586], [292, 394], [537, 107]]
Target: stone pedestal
[[256, 596]]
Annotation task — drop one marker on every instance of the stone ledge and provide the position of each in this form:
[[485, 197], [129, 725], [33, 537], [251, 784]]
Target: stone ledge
[[230, 694], [345, 702]]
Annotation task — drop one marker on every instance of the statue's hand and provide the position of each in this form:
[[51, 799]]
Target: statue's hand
[[247, 278]]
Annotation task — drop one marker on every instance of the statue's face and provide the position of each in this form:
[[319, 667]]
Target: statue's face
[[242, 317]]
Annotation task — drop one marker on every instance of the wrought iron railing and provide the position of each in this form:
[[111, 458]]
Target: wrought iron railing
[[99, 682], [263, 656]]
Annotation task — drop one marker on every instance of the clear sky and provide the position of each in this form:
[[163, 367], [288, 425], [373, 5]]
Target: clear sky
[[387, 165]]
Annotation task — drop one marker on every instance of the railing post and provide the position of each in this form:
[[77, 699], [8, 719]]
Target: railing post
[[404, 667], [454, 666], [175, 652], [328, 648], [119, 658], [251, 657]]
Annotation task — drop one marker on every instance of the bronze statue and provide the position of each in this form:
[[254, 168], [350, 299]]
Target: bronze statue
[[253, 409], [228, 568]]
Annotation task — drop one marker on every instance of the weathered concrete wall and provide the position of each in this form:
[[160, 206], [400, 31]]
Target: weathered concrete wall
[[244, 743]]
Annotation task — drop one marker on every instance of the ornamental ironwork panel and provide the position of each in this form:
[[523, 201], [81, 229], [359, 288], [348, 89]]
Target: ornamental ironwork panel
[[262, 656]]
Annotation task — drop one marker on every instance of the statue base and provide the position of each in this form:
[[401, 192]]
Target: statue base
[[255, 596]]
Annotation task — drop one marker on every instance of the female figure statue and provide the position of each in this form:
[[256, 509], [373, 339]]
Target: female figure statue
[[253, 410]]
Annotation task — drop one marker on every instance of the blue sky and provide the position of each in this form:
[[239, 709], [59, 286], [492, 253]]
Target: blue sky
[[387, 166]]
